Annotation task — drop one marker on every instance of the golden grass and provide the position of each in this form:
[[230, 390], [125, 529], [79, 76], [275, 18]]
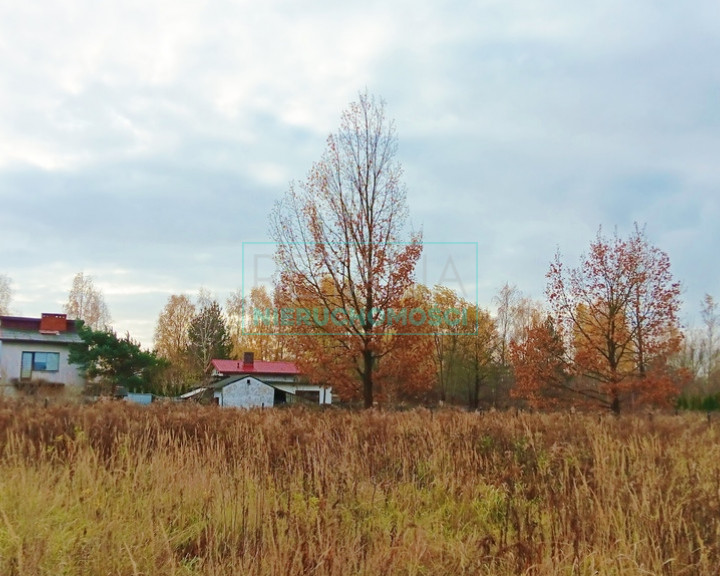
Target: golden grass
[[170, 489]]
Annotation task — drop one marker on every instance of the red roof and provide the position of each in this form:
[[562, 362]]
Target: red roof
[[257, 367]]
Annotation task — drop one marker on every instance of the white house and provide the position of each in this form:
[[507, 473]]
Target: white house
[[34, 352], [249, 384]]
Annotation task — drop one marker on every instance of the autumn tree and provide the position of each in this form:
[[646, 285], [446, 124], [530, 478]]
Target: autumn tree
[[406, 373], [515, 314], [87, 303], [346, 224], [5, 294], [478, 344], [539, 361], [247, 331], [207, 334], [446, 341], [320, 344], [618, 312], [172, 342]]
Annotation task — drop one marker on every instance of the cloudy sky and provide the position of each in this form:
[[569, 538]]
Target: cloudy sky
[[142, 142]]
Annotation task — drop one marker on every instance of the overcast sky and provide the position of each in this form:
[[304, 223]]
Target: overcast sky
[[142, 142]]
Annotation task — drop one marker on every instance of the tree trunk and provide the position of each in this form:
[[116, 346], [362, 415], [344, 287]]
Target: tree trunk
[[476, 390], [367, 378]]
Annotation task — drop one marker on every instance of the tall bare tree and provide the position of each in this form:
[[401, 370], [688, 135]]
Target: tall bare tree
[[346, 225], [87, 303], [207, 333], [5, 294], [505, 300], [711, 320]]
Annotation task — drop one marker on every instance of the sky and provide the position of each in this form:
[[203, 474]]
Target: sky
[[144, 143]]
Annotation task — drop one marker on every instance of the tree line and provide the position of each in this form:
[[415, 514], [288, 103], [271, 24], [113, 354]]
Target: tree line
[[345, 307], [607, 335]]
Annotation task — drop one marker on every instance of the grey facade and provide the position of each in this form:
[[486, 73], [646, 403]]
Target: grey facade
[[32, 355]]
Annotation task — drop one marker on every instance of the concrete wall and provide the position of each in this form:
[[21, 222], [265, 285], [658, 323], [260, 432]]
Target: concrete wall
[[248, 392], [11, 359]]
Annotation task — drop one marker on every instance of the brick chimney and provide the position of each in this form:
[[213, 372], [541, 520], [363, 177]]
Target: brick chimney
[[53, 323], [248, 360]]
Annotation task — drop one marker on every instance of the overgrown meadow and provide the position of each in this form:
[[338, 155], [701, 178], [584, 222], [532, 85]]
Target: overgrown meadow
[[175, 489]]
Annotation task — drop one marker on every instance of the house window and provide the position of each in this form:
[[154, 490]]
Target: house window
[[39, 362]]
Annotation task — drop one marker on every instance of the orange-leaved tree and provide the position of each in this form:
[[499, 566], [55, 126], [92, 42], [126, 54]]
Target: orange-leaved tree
[[348, 224], [406, 370], [539, 362], [618, 312], [252, 326], [316, 337]]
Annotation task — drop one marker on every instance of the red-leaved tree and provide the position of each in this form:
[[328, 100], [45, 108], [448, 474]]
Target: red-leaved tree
[[618, 313]]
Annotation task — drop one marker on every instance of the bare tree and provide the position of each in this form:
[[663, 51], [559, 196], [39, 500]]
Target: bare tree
[[711, 319], [87, 303], [506, 301], [207, 333], [5, 294]]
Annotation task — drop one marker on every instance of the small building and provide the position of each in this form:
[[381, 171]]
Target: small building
[[34, 354], [250, 384]]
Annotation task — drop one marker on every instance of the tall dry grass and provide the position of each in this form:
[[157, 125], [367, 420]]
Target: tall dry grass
[[120, 489]]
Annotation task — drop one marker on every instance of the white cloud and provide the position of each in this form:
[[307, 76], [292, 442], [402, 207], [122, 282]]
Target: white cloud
[[153, 137]]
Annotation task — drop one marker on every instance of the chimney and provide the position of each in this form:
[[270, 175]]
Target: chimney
[[248, 359], [53, 323]]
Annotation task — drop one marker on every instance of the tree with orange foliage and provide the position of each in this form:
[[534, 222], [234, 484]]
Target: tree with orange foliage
[[406, 372], [541, 371], [248, 332], [619, 314], [346, 224], [319, 342]]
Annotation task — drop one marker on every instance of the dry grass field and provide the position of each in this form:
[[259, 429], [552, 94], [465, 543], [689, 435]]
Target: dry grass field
[[175, 489]]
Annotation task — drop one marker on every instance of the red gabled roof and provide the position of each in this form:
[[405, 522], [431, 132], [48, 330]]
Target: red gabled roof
[[257, 367]]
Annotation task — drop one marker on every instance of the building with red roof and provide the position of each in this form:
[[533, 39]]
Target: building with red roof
[[248, 383]]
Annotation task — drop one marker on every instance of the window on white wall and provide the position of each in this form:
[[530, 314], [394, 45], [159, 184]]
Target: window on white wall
[[39, 362]]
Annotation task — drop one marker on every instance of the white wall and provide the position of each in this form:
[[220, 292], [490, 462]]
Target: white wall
[[248, 392], [11, 358]]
